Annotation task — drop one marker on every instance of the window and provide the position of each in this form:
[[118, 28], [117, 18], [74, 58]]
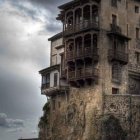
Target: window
[[136, 9], [115, 91], [137, 33], [137, 57], [55, 79], [114, 3], [114, 19], [46, 80], [116, 72]]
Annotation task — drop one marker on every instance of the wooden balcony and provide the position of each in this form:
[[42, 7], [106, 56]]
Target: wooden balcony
[[117, 32], [122, 57], [84, 25], [134, 67], [82, 74], [87, 52], [70, 55], [115, 28], [52, 91]]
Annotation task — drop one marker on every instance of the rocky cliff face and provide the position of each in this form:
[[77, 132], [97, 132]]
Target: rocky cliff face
[[86, 117]]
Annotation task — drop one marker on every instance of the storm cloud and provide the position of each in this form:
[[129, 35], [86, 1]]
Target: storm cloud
[[25, 26]]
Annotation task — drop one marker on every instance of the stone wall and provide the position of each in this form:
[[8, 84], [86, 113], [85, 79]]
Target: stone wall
[[126, 110], [74, 119]]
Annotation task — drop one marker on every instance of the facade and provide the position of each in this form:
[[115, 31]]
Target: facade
[[97, 60]]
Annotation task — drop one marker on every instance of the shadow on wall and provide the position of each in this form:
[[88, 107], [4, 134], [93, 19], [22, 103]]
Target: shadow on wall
[[111, 129]]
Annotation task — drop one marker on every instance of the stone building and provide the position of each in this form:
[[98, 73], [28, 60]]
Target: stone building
[[93, 82]]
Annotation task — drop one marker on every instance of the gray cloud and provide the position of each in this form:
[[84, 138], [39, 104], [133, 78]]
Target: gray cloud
[[49, 3], [22, 54], [10, 123], [24, 29], [15, 130]]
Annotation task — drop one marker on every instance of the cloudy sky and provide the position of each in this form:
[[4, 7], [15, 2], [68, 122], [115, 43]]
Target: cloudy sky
[[25, 26]]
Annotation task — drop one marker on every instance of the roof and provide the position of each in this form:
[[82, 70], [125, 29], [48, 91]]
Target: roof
[[49, 69], [57, 36], [71, 3], [63, 6]]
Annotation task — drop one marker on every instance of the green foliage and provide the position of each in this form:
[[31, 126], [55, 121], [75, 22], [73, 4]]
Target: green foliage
[[46, 107], [44, 120]]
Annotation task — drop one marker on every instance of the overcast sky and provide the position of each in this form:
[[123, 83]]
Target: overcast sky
[[25, 26]]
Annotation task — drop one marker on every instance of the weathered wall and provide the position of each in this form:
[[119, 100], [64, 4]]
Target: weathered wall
[[73, 119], [55, 58], [126, 109], [52, 78]]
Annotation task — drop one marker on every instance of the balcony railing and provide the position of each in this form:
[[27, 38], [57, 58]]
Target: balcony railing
[[118, 56], [44, 86], [134, 67], [115, 28], [83, 74], [87, 24], [83, 53], [70, 55]]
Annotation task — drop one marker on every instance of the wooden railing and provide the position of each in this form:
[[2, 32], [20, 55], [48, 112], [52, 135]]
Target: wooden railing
[[118, 56], [115, 28], [83, 73], [82, 53], [70, 55], [86, 24], [134, 67]]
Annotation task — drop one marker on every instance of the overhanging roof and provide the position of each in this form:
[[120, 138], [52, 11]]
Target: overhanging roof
[[56, 36], [49, 69]]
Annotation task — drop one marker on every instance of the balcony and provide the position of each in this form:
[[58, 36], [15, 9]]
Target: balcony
[[87, 73], [85, 53], [134, 67], [52, 91], [70, 55], [84, 25], [117, 32], [122, 57], [115, 28], [45, 86]]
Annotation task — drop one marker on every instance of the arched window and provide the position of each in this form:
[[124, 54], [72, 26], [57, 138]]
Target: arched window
[[69, 19], [95, 16], [86, 13], [78, 45], [78, 16], [70, 45], [87, 44]]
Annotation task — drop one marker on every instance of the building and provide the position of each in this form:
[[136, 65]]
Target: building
[[93, 83]]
